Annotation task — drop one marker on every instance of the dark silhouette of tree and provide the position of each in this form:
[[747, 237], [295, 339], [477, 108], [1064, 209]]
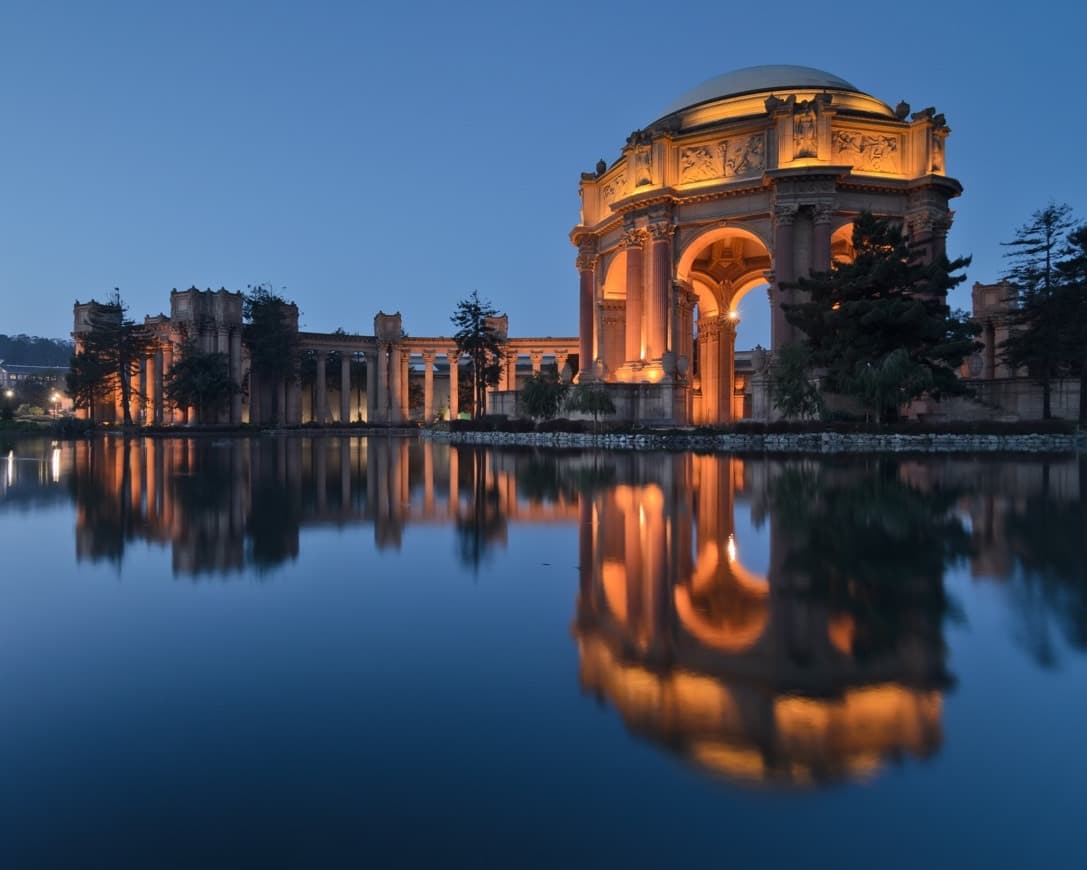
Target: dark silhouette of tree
[[200, 381], [87, 382], [1034, 340], [1072, 304], [114, 347], [791, 388], [270, 336], [477, 338], [542, 396], [886, 302], [588, 398]]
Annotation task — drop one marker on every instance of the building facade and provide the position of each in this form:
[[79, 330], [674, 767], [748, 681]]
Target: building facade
[[384, 377]]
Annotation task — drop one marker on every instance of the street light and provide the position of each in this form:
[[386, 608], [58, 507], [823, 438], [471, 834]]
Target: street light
[[56, 404]]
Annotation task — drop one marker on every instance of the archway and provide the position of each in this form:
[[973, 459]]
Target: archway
[[719, 268]]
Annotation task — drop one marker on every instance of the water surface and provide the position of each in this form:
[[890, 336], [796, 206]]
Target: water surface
[[295, 651]]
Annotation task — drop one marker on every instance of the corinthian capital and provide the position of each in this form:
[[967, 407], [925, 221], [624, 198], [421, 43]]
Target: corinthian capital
[[661, 232], [785, 213], [586, 253], [633, 238]]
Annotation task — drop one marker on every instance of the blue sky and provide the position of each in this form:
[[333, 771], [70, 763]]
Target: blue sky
[[396, 156]]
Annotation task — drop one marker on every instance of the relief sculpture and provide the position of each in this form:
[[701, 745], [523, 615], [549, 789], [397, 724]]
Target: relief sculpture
[[699, 163], [869, 151], [616, 188], [745, 157]]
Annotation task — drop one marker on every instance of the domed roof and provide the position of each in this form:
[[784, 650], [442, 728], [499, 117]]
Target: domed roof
[[756, 79]]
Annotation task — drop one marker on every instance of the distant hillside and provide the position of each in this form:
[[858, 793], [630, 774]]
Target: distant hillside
[[30, 350]]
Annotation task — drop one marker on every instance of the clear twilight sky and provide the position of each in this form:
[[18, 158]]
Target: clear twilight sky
[[395, 156]]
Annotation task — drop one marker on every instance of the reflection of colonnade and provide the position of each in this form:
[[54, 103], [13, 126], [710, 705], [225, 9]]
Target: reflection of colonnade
[[226, 505], [749, 675]]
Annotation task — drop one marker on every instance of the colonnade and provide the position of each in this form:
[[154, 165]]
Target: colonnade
[[390, 367]]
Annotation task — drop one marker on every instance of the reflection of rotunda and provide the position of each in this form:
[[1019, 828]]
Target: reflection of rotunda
[[748, 181], [748, 676]]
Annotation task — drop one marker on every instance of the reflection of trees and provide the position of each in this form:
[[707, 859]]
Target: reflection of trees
[[547, 476], [1045, 534], [869, 545], [484, 522]]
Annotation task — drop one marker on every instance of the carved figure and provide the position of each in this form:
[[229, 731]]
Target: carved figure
[[868, 151], [804, 142], [745, 156], [698, 163], [616, 188]]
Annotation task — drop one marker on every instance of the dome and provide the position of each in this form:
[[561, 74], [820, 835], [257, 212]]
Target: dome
[[759, 79]]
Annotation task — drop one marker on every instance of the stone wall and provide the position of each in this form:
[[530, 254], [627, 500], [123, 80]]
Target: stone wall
[[819, 442]]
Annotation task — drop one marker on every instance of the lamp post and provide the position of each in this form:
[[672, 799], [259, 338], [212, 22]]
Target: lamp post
[[56, 404]]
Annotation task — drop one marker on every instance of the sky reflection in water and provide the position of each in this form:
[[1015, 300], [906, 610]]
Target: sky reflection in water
[[287, 651]]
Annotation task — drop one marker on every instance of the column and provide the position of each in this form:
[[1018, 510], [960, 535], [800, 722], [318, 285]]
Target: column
[[405, 384], [382, 366], [395, 371], [428, 386], [537, 361], [320, 414], [821, 220], [454, 383], [142, 401], [727, 367], [660, 282], [371, 385], [586, 263], [156, 387], [781, 332], [632, 241], [345, 387], [236, 375], [561, 358]]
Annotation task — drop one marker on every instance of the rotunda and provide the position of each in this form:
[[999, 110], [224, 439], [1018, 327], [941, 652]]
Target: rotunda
[[748, 181]]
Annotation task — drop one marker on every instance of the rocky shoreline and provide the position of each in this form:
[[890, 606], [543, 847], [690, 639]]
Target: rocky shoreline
[[815, 442]]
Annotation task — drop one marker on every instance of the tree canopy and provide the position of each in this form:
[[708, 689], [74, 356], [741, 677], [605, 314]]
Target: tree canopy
[[201, 382], [879, 326]]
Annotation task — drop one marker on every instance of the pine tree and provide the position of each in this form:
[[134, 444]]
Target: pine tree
[[1034, 341], [117, 345], [477, 338], [1072, 302], [886, 302]]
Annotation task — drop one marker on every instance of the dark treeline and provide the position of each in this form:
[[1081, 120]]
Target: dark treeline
[[31, 350]]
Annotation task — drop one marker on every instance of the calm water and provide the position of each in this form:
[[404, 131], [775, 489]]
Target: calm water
[[349, 652]]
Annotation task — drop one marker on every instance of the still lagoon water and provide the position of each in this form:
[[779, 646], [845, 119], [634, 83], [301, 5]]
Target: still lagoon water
[[317, 652]]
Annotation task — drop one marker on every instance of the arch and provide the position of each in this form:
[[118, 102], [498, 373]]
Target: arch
[[841, 243], [615, 277], [704, 239]]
